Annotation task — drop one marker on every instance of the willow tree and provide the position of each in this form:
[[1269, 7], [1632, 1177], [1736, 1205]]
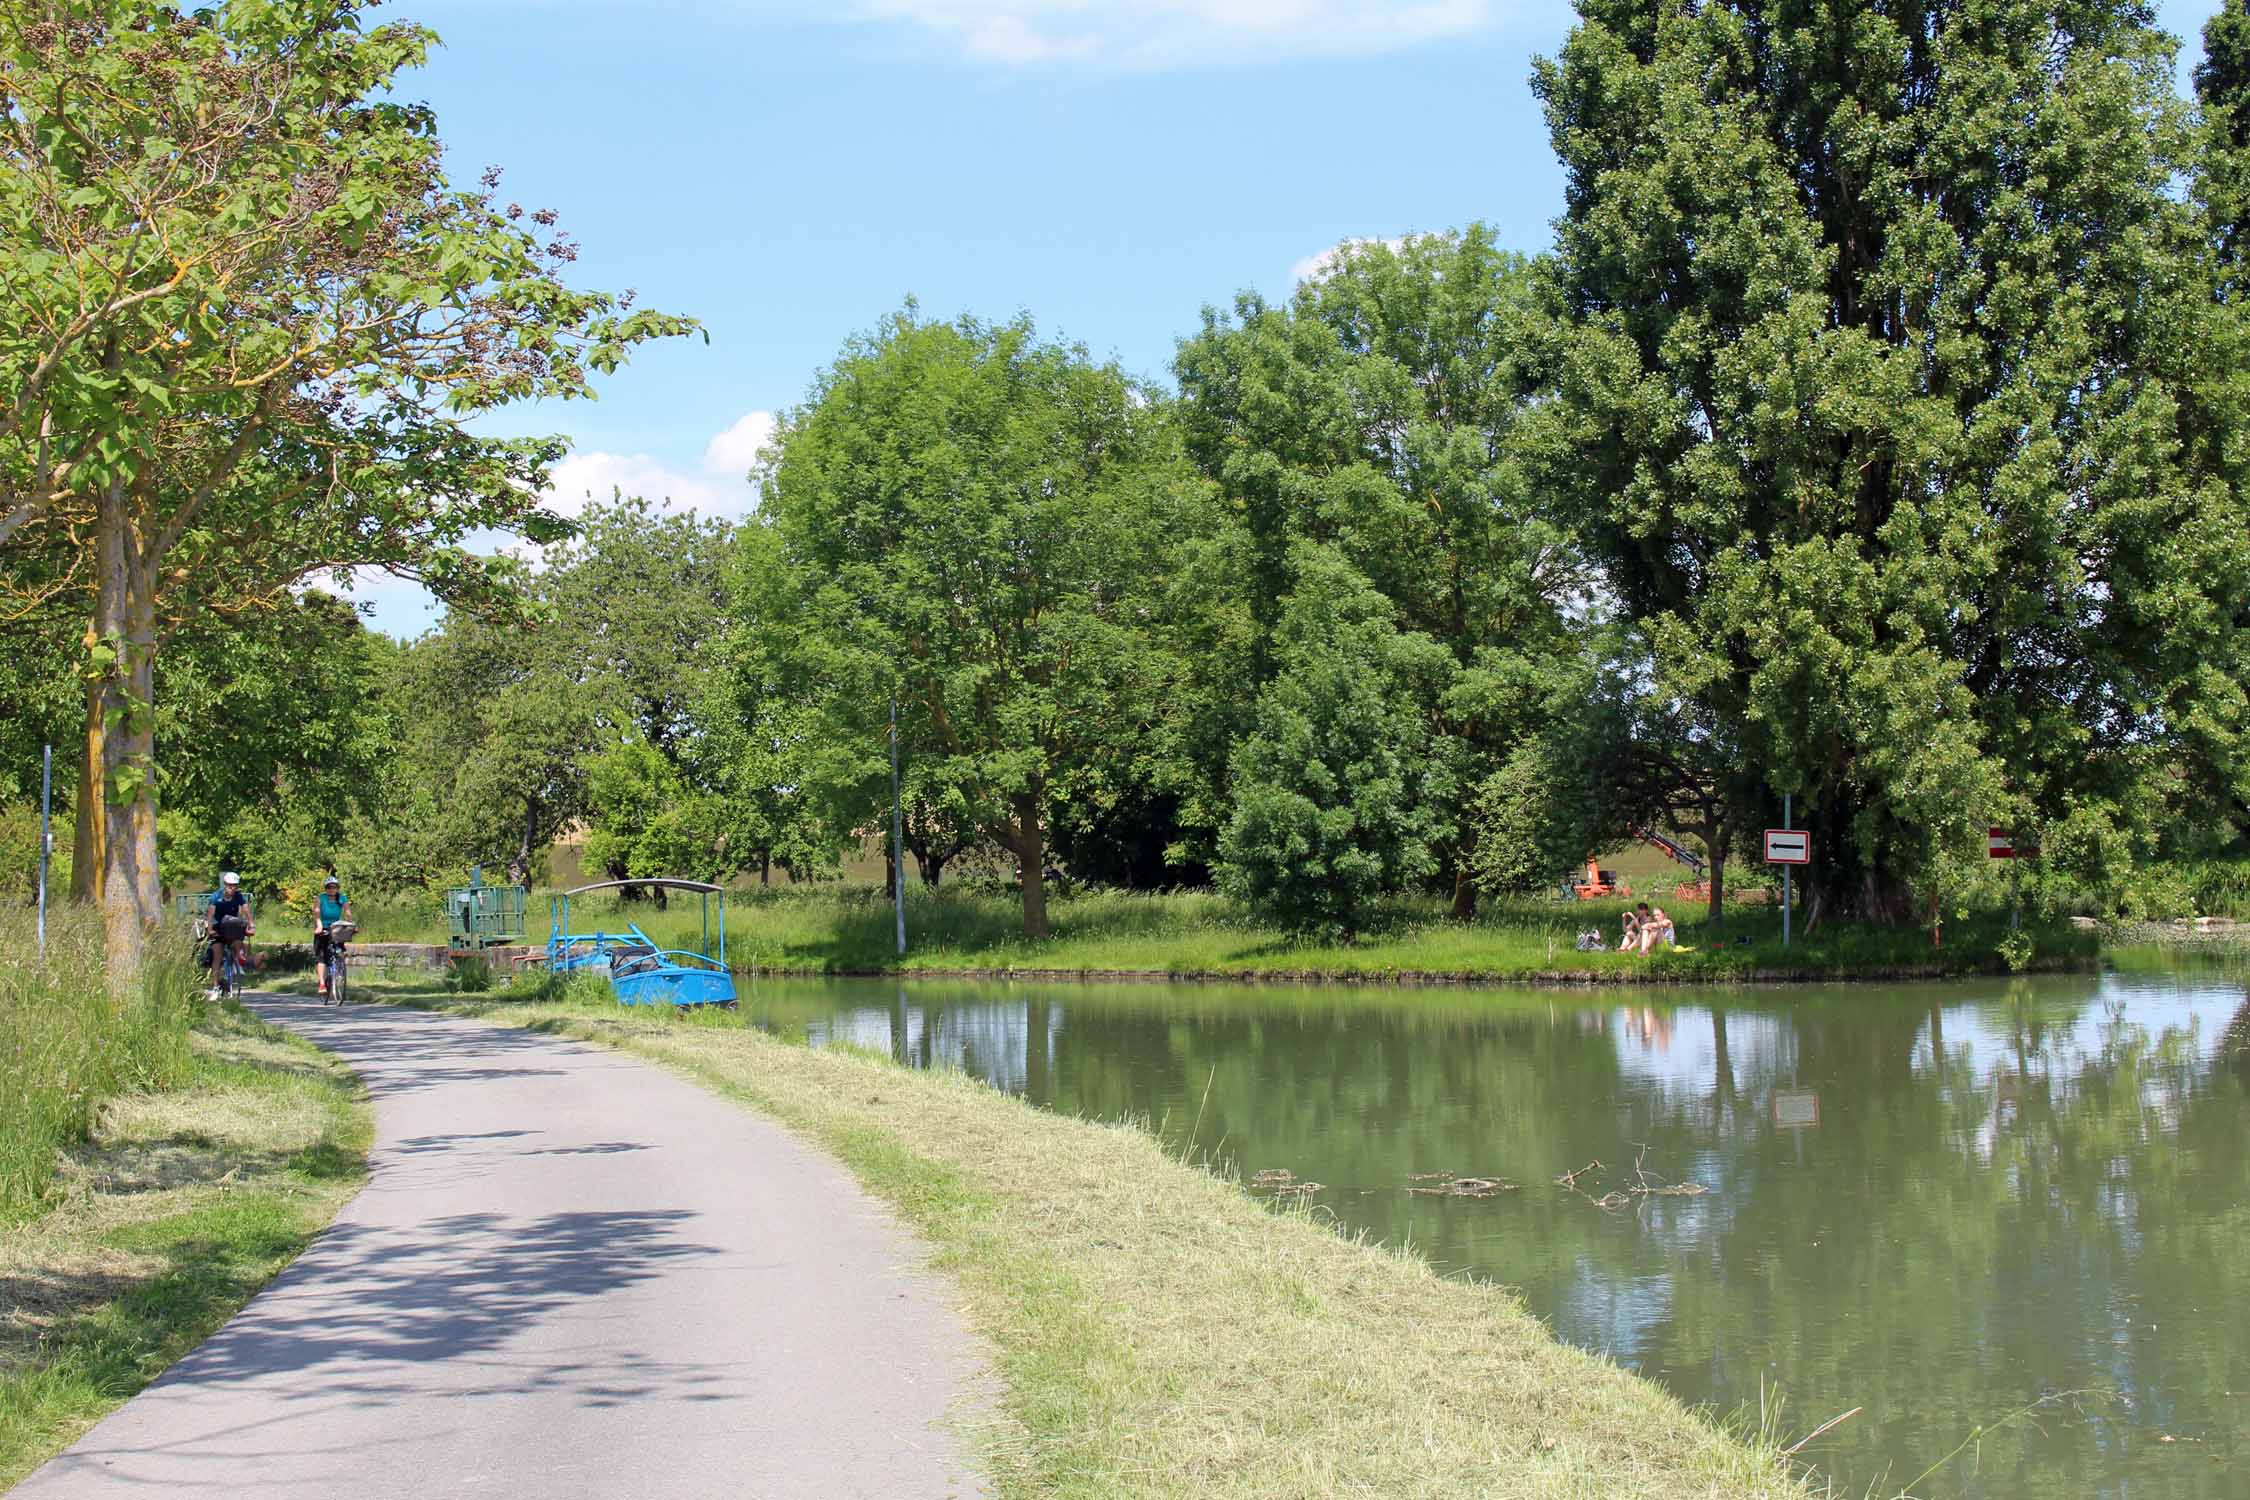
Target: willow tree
[[1893, 398], [244, 318]]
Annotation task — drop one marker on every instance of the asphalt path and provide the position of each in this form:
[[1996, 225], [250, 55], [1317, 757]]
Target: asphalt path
[[570, 1274]]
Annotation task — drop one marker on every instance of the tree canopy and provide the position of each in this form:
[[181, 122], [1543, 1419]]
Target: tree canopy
[[243, 316]]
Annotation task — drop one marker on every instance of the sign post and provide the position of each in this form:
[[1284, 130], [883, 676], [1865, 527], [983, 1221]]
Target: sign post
[[2000, 843], [1787, 847], [46, 838], [898, 838]]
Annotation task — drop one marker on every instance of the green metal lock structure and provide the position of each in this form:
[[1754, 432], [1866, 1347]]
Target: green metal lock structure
[[484, 916]]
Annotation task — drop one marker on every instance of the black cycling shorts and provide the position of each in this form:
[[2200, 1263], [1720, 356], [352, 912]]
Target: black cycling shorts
[[323, 945], [230, 929]]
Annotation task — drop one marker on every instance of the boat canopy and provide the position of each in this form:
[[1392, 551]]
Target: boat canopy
[[668, 882]]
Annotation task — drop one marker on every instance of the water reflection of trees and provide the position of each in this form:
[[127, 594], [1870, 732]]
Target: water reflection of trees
[[2029, 1195]]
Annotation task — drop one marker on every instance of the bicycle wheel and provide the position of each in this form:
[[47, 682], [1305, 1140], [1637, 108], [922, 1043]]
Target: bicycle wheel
[[339, 976]]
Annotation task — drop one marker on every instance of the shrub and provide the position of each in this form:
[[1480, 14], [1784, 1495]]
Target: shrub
[[470, 974]]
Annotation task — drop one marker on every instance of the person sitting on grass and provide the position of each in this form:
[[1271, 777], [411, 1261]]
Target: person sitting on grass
[[1655, 928], [1632, 931]]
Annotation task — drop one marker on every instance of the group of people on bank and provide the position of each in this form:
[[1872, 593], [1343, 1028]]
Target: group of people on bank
[[1647, 929]]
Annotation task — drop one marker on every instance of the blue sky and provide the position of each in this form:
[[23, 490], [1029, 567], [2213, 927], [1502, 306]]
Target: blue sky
[[790, 170]]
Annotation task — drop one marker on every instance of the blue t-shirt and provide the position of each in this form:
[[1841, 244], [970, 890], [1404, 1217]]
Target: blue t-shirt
[[225, 905], [332, 907]]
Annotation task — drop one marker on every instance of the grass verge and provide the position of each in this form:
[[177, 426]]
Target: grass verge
[[183, 1202], [1199, 934], [67, 1043], [1159, 1334]]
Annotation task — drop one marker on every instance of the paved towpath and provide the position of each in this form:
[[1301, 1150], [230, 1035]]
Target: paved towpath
[[570, 1275]]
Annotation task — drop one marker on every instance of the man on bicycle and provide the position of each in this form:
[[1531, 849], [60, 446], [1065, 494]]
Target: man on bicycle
[[335, 907], [228, 912]]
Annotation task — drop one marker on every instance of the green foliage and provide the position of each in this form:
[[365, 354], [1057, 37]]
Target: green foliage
[[1336, 800], [647, 820], [1378, 416], [243, 318], [507, 722], [1894, 415], [468, 974], [976, 524]]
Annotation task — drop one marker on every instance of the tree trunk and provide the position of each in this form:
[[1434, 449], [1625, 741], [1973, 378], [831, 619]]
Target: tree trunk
[[932, 865], [1464, 891], [1031, 863], [1716, 845], [519, 868], [1842, 881], [765, 868], [116, 830]]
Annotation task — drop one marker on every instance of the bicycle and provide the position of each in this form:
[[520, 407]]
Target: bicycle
[[339, 971], [226, 964]]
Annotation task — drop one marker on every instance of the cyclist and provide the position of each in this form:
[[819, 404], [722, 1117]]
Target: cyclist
[[335, 907], [228, 912]]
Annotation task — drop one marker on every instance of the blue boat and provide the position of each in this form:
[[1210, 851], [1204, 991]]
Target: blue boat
[[640, 970]]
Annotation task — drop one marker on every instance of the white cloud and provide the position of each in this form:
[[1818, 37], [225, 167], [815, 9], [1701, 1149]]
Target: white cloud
[[1157, 33], [723, 485], [585, 479], [734, 452], [1315, 266]]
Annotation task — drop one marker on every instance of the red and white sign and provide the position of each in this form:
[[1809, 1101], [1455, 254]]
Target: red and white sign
[[1788, 846], [2001, 844]]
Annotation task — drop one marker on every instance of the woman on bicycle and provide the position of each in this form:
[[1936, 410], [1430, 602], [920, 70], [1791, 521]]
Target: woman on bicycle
[[228, 912], [335, 907]]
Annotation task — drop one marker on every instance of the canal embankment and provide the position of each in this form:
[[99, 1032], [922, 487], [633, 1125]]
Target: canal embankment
[[1160, 1333], [1200, 936]]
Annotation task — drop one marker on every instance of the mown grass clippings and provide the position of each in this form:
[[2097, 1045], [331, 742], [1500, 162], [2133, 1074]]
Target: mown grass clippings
[[156, 1228], [1159, 1333]]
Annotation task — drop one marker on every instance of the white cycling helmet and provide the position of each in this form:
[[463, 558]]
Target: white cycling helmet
[[230, 878]]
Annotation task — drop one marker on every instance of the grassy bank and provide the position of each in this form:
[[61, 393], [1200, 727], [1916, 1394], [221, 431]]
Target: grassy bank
[[848, 929], [1158, 1333], [184, 1198], [67, 1044]]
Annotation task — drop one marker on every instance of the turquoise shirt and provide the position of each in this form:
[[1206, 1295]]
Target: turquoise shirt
[[332, 907]]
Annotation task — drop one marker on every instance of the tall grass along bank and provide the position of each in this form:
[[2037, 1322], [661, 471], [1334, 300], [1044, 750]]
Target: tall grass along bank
[[1160, 1334], [187, 1194], [67, 1043]]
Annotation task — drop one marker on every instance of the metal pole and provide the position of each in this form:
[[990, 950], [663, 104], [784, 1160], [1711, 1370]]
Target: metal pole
[[898, 837], [1787, 821], [46, 838]]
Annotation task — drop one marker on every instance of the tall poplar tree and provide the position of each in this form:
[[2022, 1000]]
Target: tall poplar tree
[[1887, 399]]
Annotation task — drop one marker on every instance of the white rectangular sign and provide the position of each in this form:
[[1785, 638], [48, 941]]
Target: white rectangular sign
[[1795, 1109], [1788, 846]]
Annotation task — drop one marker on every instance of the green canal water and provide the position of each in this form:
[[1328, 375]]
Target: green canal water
[[1937, 1204]]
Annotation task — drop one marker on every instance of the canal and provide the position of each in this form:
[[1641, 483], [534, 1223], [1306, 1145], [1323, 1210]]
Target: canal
[[2021, 1205]]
